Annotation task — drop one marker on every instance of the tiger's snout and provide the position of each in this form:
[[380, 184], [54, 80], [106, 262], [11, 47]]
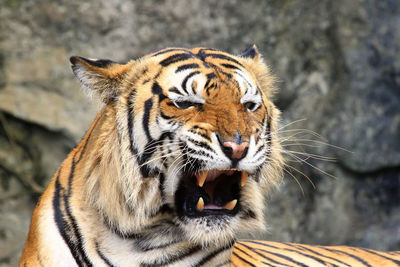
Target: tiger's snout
[[235, 149]]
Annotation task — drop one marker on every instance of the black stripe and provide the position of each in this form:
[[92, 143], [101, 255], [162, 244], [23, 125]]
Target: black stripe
[[157, 90], [118, 232], [195, 152], [200, 144], [62, 225], [267, 130], [259, 150], [169, 50], [262, 255], [187, 78], [220, 70], [174, 90], [199, 133], [164, 223], [244, 252], [229, 66], [222, 56], [348, 254], [315, 252], [75, 228], [207, 85], [249, 256], [309, 256], [245, 79], [213, 254], [161, 185], [202, 56], [148, 104], [163, 209], [166, 117], [276, 254], [145, 248], [242, 259], [248, 213], [174, 258], [210, 76], [148, 151], [187, 66], [103, 257], [130, 123], [382, 256], [175, 58]]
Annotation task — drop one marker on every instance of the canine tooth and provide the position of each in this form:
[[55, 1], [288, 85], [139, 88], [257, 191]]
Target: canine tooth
[[200, 204], [201, 178], [230, 205], [243, 178]]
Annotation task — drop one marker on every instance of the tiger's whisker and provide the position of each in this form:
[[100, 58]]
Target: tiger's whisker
[[290, 123], [302, 173], [297, 181]]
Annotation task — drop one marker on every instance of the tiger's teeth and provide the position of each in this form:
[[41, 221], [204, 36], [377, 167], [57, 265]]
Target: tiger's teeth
[[243, 178], [201, 178], [200, 204], [230, 205]]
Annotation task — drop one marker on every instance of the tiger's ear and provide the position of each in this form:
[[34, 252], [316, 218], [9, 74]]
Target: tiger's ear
[[251, 52], [102, 76]]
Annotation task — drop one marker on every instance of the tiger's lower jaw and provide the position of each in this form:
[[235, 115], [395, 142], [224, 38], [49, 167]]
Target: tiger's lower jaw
[[210, 207], [208, 234]]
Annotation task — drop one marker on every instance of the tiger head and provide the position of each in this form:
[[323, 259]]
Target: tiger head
[[191, 140]]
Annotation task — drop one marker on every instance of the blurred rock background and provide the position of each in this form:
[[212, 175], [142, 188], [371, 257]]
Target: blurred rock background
[[339, 68]]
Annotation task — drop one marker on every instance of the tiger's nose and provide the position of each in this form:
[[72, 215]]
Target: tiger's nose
[[234, 150]]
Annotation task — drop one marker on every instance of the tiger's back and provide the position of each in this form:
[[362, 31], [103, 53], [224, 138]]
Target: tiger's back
[[269, 253]]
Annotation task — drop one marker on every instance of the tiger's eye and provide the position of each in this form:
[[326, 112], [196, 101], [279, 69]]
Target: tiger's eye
[[185, 104], [251, 106]]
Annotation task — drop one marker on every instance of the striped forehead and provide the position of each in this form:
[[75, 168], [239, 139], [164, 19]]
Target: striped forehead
[[186, 80], [249, 90], [189, 71]]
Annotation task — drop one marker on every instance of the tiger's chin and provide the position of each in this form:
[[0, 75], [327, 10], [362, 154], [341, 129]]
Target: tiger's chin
[[212, 206], [208, 232]]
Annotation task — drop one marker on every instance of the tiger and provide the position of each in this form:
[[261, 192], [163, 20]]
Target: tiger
[[178, 160]]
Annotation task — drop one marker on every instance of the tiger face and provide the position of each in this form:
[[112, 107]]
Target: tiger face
[[196, 135]]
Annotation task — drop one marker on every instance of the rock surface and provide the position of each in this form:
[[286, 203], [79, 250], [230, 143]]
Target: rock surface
[[339, 68]]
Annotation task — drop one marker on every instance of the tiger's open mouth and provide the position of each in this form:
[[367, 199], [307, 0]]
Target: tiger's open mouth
[[211, 192]]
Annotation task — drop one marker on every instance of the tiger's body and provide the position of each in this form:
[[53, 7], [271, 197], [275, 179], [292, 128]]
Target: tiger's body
[[176, 163], [268, 253]]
